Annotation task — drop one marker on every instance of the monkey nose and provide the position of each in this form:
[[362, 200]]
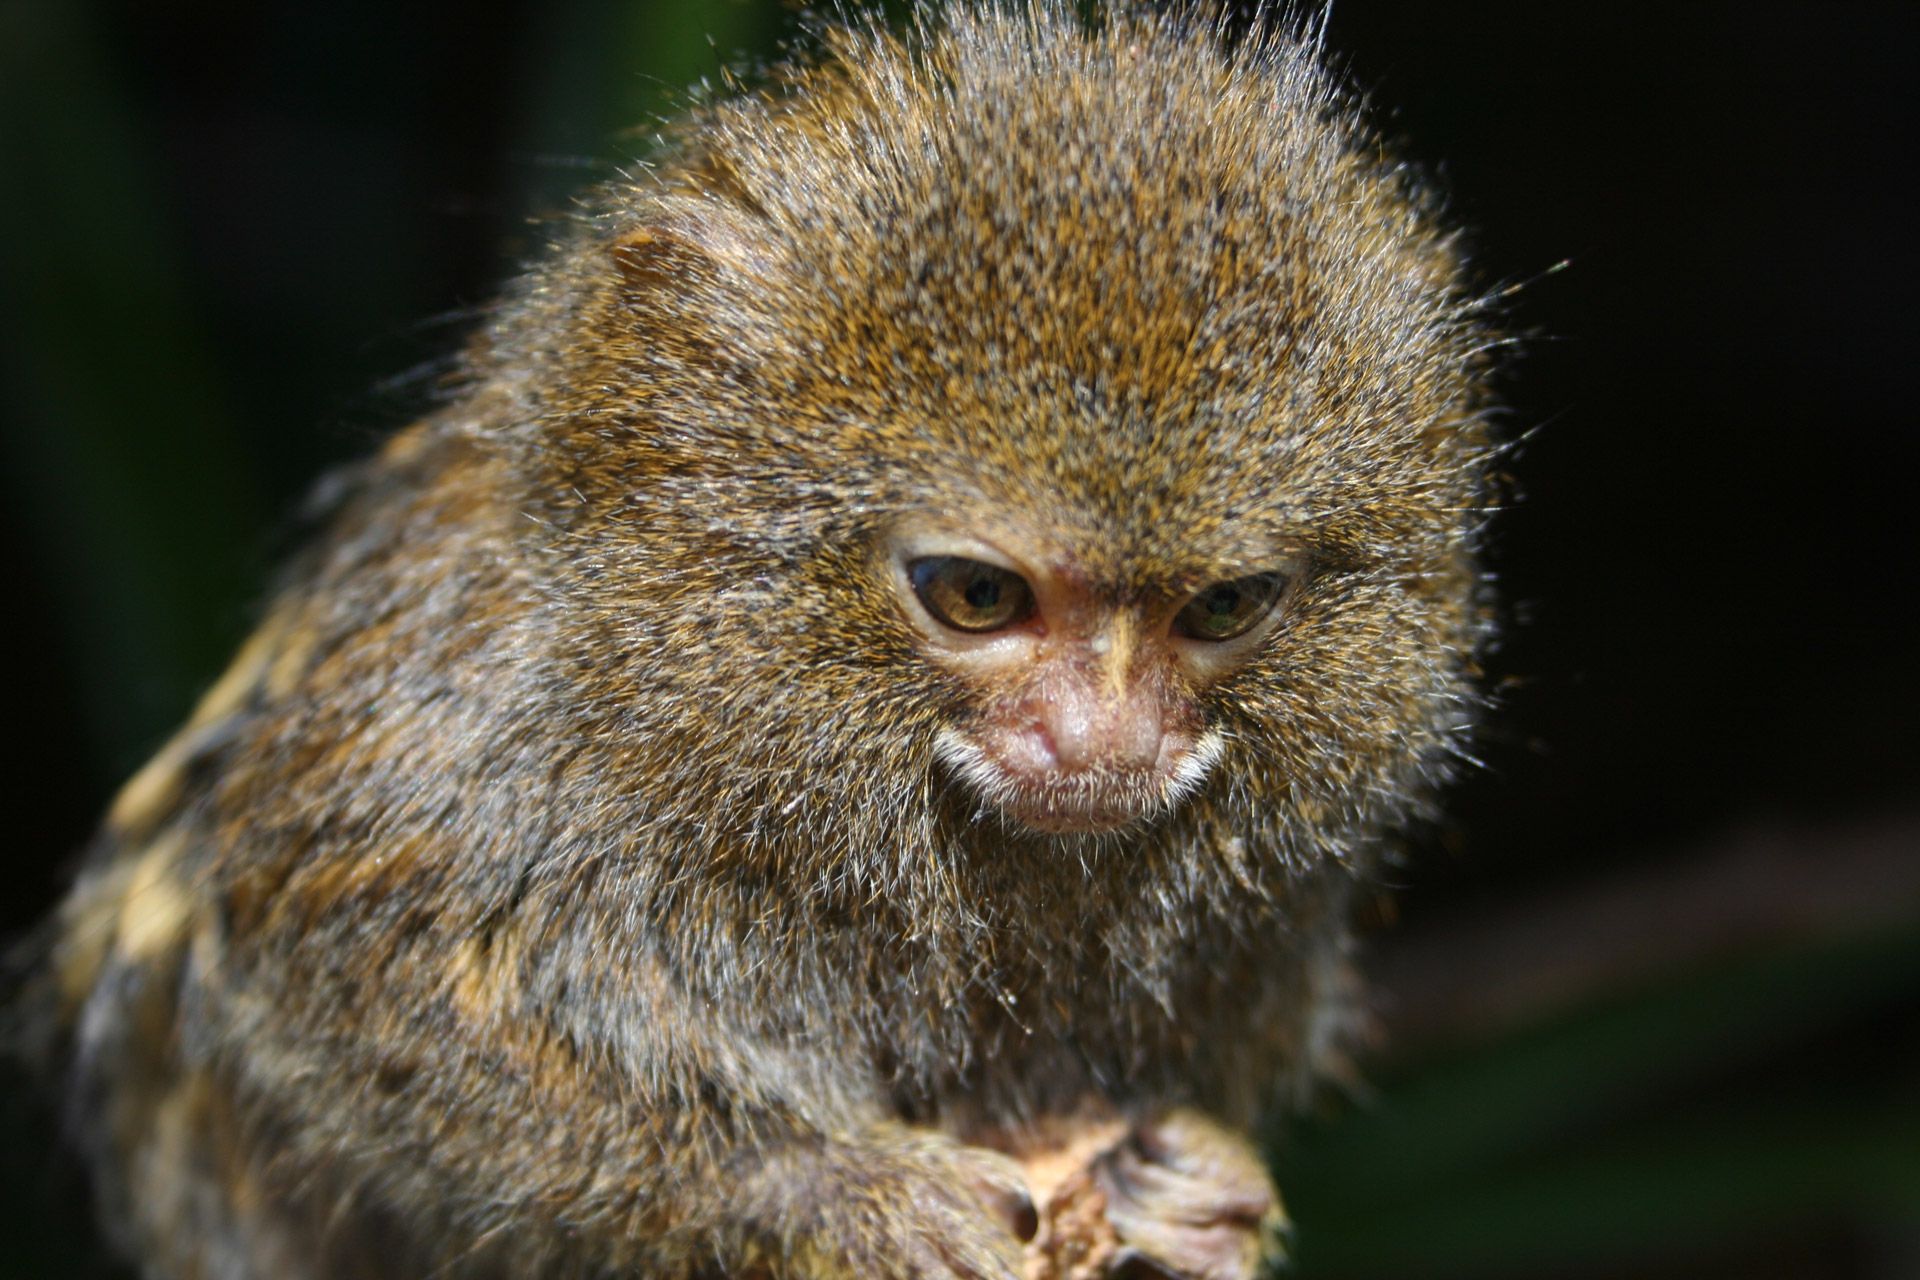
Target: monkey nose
[[1083, 732]]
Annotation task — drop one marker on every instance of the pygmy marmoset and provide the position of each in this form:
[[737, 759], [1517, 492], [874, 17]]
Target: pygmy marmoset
[[893, 658]]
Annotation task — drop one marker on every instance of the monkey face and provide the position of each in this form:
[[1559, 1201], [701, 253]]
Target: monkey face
[[1086, 696]]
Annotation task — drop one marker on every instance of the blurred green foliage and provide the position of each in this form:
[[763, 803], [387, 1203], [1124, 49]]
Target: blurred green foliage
[[115, 404], [1644, 1132]]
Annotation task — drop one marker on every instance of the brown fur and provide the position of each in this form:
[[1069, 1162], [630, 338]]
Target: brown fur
[[564, 881]]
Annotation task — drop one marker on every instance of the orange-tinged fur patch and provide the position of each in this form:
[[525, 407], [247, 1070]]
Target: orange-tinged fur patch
[[157, 909]]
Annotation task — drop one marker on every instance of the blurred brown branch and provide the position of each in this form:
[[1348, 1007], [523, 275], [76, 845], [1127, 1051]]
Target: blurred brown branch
[[1473, 976]]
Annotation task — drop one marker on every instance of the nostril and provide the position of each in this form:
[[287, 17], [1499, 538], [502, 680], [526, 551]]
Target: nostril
[[1140, 748], [1032, 750], [1135, 733], [1073, 731]]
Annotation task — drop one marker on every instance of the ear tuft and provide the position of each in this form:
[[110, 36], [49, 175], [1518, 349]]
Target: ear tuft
[[651, 259]]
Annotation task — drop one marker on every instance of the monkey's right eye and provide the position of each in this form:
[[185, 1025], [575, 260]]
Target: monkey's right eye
[[970, 595]]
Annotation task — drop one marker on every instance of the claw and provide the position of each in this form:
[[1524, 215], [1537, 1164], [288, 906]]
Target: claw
[[1131, 1264], [1190, 1200]]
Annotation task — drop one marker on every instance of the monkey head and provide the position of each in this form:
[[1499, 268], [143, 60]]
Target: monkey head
[[1100, 449]]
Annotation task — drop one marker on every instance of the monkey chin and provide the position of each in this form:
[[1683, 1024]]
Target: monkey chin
[[1091, 801]]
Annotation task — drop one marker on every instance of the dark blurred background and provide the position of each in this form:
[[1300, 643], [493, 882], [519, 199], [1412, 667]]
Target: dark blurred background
[[1651, 1005]]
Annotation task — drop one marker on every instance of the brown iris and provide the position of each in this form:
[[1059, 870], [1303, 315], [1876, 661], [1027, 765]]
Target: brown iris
[[1228, 609], [970, 595]]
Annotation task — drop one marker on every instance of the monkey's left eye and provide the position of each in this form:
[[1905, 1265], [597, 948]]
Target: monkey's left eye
[[970, 595], [1228, 609]]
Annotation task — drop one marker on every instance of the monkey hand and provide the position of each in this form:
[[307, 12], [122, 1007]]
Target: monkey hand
[[1189, 1200], [921, 1208]]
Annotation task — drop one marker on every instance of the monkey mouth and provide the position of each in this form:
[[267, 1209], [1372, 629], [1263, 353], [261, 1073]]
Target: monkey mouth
[[1090, 800], [1086, 803]]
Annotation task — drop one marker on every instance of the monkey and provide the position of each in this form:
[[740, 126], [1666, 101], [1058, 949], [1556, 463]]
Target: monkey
[[847, 742]]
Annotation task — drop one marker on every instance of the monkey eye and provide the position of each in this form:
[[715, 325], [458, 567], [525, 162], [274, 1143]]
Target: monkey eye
[[970, 595], [1228, 609]]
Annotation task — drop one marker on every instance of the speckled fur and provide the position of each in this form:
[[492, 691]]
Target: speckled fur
[[566, 882]]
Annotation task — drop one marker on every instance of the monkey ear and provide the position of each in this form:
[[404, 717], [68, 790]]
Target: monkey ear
[[653, 259], [683, 280], [673, 254]]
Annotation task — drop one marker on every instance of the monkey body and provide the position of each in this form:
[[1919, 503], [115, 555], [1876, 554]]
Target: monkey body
[[612, 857]]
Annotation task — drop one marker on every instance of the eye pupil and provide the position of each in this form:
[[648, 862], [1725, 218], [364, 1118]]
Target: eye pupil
[[983, 593], [1228, 609], [970, 595]]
